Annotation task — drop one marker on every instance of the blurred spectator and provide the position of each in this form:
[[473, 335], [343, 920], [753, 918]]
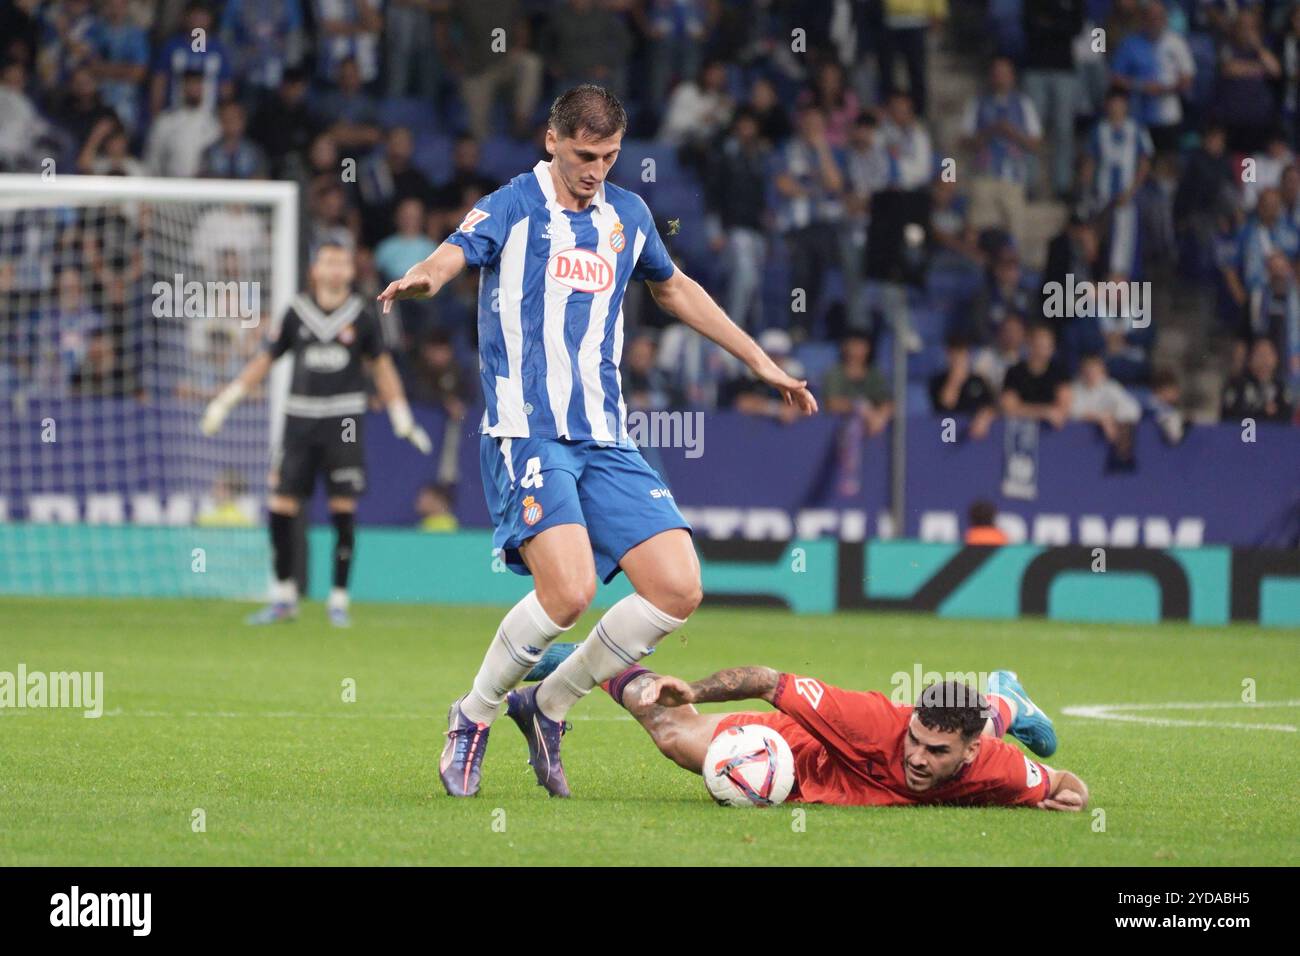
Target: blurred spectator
[[1038, 387], [179, 136], [78, 110], [982, 529], [957, 246], [694, 368], [1115, 167], [466, 157], [810, 183], [485, 72], [698, 109], [21, 125], [959, 390], [736, 203], [1243, 96], [351, 111], [675, 33], [1164, 405], [1074, 251], [1266, 231], [107, 152], [1051, 79], [1260, 392], [437, 379], [388, 177], [265, 38], [433, 505], [100, 373], [64, 335], [839, 104], [1004, 293], [773, 120], [908, 143], [855, 387], [1008, 349], [1207, 188], [907, 24], [408, 245], [413, 48], [867, 172], [587, 41], [1275, 306], [223, 509], [1287, 52], [284, 126], [748, 395], [348, 30], [332, 221], [121, 61], [66, 43], [643, 383], [1266, 167], [1099, 399], [1231, 293], [1154, 65], [1002, 127], [234, 155], [178, 61]]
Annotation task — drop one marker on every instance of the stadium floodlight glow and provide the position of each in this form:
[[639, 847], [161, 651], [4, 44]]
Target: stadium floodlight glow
[[124, 300]]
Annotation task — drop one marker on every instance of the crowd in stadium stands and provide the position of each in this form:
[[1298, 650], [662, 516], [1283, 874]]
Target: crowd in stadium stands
[[796, 173]]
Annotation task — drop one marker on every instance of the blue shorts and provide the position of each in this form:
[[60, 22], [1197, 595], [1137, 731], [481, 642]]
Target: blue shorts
[[532, 484]]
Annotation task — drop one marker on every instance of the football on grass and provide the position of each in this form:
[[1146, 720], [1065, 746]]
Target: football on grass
[[749, 766]]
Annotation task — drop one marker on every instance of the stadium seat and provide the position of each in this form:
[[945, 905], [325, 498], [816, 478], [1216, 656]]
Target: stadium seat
[[433, 156], [417, 114]]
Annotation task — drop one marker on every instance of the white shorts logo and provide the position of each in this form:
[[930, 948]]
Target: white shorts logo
[[532, 474]]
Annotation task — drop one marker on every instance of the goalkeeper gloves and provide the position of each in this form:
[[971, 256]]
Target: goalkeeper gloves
[[405, 426], [215, 414]]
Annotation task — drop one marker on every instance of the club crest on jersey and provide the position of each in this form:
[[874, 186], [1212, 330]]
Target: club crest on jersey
[[617, 241], [532, 511], [347, 335], [581, 270], [472, 219]]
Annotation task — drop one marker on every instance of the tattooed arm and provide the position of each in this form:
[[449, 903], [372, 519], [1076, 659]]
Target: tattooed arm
[[736, 683]]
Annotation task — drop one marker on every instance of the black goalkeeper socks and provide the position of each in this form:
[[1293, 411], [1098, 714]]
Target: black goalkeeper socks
[[282, 545], [344, 537]]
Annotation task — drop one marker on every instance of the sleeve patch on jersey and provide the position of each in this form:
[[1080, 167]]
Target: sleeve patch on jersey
[[809, 688], [472, 219], [1033, 774]]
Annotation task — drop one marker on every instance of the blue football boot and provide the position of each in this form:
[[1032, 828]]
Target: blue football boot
[[1032, 727]]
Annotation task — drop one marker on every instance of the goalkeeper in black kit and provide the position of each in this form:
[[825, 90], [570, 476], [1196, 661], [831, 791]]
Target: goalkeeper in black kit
[[335, 338]]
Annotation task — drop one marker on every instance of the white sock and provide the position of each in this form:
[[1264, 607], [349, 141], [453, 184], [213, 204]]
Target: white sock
[[285, 592], [628, 632], [519, 644], [338, 598]]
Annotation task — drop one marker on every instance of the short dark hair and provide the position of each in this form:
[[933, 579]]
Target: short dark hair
[[982, 512], [952, 705], [330, 243], [957, 340], [588, 108]]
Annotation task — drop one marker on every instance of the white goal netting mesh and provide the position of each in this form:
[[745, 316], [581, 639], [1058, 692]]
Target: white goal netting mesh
[[119, 320]]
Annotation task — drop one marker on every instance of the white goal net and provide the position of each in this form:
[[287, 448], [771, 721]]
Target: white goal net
[[125, 304]]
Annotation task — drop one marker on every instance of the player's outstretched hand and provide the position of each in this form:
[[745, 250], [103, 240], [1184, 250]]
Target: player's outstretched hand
[[1064, 800], [668, 692], [794, 391], [408, 287], [420, 439]]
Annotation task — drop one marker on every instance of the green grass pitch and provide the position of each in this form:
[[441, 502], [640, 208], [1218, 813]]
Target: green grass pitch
[[250, 726]]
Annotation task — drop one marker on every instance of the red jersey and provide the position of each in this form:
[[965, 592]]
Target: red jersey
[[848, 749]]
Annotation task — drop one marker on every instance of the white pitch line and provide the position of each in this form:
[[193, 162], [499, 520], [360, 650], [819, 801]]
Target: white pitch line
[[1113, 712]]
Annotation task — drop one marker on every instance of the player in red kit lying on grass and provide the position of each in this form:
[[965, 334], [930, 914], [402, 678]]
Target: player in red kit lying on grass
[[861, 749]]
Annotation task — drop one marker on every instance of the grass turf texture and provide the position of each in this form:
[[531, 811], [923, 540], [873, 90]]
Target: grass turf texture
[[249, 725]]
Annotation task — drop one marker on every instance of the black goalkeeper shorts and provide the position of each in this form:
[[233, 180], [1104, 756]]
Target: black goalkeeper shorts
[[327, 446]]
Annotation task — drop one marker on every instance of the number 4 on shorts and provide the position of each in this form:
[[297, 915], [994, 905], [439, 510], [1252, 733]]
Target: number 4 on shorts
[[532, 474]]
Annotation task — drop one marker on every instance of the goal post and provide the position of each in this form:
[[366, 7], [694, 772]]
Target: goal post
[[125, 304]]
